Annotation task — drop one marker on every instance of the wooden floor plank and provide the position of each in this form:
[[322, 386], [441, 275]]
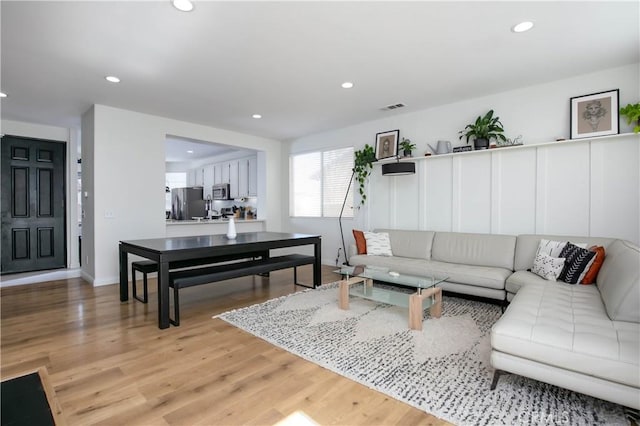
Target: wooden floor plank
[[108, 362]]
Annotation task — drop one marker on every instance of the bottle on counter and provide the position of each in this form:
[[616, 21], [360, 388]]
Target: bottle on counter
[[231, 230]]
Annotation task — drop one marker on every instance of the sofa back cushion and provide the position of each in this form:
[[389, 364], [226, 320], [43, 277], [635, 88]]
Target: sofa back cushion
[[415, 244], [474, 249], [527, 245], [619, 281]]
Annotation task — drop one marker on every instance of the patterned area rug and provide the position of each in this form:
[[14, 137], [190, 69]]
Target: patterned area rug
[[443, 369]]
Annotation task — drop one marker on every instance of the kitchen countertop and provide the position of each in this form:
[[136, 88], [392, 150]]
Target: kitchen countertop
[[209, 222]]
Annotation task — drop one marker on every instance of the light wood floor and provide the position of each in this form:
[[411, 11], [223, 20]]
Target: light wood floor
[[110, 364]]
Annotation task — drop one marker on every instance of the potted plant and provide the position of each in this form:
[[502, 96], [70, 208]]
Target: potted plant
[[407, 147], [362, 166], [632, 113], [484, 129]]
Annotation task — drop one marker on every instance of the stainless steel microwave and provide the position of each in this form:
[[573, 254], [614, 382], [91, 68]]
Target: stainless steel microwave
[[221, 191]]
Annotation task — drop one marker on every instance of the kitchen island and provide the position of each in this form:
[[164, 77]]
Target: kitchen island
[[189, 228]]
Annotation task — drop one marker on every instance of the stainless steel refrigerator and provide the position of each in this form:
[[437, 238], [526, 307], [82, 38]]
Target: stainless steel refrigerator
[[187, 203]]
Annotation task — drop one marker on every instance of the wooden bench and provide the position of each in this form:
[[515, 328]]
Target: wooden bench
[[149, 266], [198, 276]]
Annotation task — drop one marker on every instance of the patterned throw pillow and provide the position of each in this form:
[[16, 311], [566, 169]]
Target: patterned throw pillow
[[551, 248], [361, 243], [578, 261], [378, 244], [548, 267], [592, 273]]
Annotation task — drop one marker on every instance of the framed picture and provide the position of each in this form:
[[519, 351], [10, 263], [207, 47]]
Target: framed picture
[[387, 144], [595, 115]]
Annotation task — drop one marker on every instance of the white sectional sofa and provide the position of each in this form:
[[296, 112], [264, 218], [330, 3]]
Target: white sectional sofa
[[581, 337]]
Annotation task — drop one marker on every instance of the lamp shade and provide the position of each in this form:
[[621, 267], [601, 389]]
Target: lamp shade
[[399, 168]]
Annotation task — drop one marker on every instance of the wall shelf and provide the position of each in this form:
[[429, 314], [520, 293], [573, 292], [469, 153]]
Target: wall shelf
[[511, 148]]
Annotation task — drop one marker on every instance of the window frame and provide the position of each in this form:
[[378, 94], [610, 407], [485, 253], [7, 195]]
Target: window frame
[[348, 213]]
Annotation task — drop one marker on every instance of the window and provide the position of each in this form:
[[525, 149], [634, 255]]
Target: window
[[319, 181]]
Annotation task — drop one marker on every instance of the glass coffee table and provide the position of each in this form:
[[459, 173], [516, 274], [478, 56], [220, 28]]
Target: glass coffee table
[[358, 281]]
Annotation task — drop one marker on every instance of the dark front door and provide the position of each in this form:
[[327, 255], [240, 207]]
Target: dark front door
[[33, 205]]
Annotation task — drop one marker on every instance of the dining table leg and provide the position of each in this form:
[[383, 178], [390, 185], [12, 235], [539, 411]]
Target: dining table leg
[[163, 294], [124, 274], [317, 264]]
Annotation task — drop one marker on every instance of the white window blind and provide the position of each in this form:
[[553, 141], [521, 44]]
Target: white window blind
[[319, 181], [306, 182]]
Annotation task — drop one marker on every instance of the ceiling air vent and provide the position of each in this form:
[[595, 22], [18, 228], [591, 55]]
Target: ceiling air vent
[[392, 107]]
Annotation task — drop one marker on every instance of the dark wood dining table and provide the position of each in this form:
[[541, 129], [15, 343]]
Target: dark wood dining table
[[166, 250]]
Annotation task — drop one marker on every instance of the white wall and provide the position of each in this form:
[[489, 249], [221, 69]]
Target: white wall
[[128, 167], [539, 113], [71, 139]]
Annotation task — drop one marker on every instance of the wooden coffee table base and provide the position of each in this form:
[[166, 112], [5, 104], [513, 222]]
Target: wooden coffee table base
[[343, 297], [415, 301], [415, 306]]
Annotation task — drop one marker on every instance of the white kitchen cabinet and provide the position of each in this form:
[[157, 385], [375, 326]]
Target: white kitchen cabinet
[[243, 177], [253, 177], [226, 167], [191, 178], [217, 173], [208, 181], [248, 177], [233, 179]]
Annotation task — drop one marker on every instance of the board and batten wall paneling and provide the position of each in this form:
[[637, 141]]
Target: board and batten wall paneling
[[437, 197], [581, 187], [472, 193], [563, 189], [513, 196], [379, 201], [615, 179], [406, 201]]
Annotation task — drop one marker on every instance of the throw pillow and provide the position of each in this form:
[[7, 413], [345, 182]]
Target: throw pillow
[[548, 267], [592, 273], [378, 244], [551, 248], [361, 243], [578, 260]]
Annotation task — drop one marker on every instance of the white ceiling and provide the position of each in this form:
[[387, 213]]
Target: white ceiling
[[225, 61], [187, 150]]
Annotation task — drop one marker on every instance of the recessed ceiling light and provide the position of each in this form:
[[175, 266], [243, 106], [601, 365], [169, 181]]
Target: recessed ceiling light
[[183, 5], [256, 116], [522, 27], [112, 79], [3, 95], [347, 85], [190, 151]]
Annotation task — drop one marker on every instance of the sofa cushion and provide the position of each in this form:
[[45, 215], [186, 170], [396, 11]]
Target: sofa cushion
[[551, 247], [482, 276], [416, 244], [592, 273], [378, 244], [474, 249], [578, 261], [527, 246], [520, 279], [548, 267], [619, 281], [566, 326], [361, 242]]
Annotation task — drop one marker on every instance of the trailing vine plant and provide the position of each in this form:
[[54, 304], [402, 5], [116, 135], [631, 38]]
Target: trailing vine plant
[[362, 167]]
